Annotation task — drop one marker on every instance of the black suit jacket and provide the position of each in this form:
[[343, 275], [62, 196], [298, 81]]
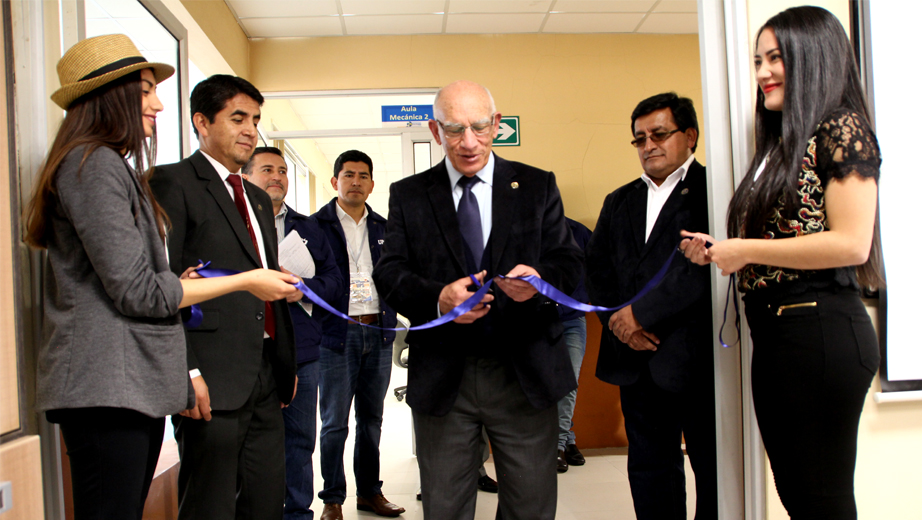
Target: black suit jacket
[[424, 251], [205, 224], [618, 264]]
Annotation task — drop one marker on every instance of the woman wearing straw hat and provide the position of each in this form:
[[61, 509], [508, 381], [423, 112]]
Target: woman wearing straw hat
[[113, 358]]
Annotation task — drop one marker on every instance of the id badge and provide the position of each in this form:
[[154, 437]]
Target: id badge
[[359, 287]]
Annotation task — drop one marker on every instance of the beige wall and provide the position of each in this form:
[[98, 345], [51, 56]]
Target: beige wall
[[573, 93], [219, 24]]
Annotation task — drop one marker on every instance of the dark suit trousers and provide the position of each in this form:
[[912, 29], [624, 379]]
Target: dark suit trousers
[[524, 442], [655, 420], [233, 466]]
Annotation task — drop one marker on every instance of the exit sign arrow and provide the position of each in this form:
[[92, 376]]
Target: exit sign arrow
[[508, 132]]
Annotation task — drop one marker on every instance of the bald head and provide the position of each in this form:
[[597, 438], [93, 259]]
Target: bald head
[[466, 122]]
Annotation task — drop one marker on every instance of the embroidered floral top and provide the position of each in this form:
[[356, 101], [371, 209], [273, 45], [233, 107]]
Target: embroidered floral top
[[842, 144]]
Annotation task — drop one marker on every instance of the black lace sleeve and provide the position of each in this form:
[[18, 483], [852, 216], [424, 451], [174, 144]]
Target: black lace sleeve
[[845, 144]]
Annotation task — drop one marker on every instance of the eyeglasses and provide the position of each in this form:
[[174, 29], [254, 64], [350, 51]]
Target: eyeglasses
[[454, 131], [656, 137]]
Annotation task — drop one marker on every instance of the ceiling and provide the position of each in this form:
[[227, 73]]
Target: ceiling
[[306, 18]]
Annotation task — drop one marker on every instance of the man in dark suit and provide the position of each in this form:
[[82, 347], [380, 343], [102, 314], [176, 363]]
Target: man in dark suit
[[267, 169], [355, 361], [659, 350], [242, 356], [503, 364]]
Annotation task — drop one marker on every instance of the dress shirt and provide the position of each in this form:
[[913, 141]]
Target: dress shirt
[[280, 223], [355, 245], [658, 195], [224, 173], [482, 190]]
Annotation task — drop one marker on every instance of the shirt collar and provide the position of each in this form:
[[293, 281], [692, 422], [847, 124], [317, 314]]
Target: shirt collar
[[343, 215], [283, 211], [486, 174], [222, 171], [674, 177]]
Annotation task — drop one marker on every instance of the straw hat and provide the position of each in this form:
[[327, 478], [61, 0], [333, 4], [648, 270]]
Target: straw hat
[[93, 62]]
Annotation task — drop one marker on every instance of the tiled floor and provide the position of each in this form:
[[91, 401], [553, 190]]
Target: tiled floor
[[598, 490]]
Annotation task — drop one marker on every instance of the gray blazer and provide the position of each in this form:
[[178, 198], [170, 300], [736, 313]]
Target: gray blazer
[[111, 335]]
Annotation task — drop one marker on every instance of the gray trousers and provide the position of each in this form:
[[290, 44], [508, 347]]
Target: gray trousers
[[524, 442]]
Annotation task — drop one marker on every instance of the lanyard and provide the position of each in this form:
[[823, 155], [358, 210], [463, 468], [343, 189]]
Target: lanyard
[[362, 245]]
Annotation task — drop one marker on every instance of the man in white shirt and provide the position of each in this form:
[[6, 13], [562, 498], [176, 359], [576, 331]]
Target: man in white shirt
[[355, 361], [659, 350]]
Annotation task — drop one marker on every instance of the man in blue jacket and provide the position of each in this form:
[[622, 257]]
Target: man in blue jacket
[[355, 361], [267, 169]]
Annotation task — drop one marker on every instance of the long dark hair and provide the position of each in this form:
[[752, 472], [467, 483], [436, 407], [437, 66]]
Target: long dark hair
[[109, 116], [820, 76]]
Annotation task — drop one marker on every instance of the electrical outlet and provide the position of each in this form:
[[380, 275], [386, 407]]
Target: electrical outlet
[[6, 496]]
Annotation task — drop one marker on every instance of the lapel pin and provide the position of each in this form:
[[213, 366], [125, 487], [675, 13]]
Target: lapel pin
[[515, 185], [381, 241], [685, 191], [259, 207]]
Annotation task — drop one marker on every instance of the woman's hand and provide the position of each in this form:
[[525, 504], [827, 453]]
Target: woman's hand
[[694, 245], [269, 285], [729, 255], [190, 274]]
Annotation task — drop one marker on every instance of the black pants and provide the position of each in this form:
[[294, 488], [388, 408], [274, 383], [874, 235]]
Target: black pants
[[811, 369], [655, 420], [113, 454]]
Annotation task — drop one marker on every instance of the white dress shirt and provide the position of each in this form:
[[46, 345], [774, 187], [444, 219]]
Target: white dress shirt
[[224, 173], [657, 195], [359, 258], [482, 190]]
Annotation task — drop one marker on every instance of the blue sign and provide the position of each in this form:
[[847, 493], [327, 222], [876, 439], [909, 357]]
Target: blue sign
[[408, 114]]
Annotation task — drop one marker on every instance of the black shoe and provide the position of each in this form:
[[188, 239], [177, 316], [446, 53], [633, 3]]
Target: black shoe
[[485, 483], [562, 465], [419, 496], [573, 456]]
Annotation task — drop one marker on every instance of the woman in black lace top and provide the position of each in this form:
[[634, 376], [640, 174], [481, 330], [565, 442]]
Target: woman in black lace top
[[805, 238]]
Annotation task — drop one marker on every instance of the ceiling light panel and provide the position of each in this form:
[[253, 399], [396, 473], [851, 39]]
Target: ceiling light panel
[[499, 6], [282, 8], [392, 6], [603, 6], [493, 23], [292, 27], [592, 23], [394, 24]]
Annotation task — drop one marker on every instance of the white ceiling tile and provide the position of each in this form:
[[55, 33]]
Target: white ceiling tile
[[100, 26], [392, 6], [676, 6], [499, 6], [122, 9], [394, 24], [91, 10], [493, 23], [603, 6], [282, 8], [292, 27], [670, 23], [592, 23]]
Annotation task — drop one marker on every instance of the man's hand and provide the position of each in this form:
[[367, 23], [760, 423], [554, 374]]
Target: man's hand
[[202, 408], [456, 293], [293, 394], [298, 295], [627, 329], [518, 290], [643, 340]]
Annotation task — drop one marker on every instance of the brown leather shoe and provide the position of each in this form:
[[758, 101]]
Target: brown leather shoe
[[379, 505], [332, 512]]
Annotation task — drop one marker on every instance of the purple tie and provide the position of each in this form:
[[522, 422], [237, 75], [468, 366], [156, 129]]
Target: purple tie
[[469, 218]]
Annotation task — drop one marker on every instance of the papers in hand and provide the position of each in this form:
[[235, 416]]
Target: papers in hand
[[295, 257]]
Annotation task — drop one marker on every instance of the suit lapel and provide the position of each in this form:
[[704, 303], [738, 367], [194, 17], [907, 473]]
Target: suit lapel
[[674, 203], [266, 224], [446, 218], [505, 200], [637, 210], [216, 188]]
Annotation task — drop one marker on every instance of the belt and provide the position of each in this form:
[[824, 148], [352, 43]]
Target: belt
[[367, 319]]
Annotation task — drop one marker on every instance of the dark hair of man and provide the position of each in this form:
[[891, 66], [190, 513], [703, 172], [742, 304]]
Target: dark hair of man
[[820, 76], [210, 96], [352, 156], [248, 167], [109, 116], [683, 111]]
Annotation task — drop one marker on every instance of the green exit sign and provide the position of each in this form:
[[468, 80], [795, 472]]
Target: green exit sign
[[508, 132]]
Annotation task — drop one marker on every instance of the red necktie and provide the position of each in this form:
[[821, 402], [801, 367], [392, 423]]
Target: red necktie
[[240, 201]]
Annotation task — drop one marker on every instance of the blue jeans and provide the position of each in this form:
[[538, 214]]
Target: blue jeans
[[362, 370], [300, 437], [574, 334]]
